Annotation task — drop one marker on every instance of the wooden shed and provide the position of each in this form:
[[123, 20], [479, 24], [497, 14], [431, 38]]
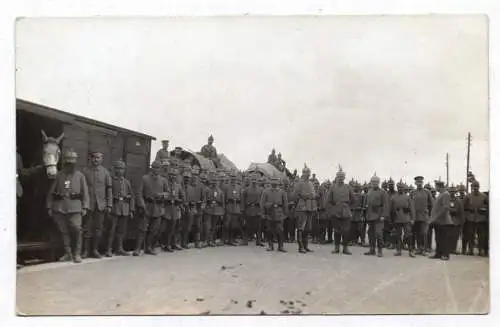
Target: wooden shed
[[35, 228]]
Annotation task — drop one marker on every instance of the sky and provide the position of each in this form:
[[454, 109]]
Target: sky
[[389, 95]]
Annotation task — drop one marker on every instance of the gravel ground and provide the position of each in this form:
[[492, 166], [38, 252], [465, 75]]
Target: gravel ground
[[249, 280]]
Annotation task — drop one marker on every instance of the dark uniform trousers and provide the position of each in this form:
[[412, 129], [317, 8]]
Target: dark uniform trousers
[[428, 238], [147, 225], [342, 228], [443, 233], [92, 228], [192, 218], [172, 226], [358, 231], [375, 234], [470, 231], [403, 235], [210, 225], [316, 227], [254, 224], [118, 228], [230, 220], [304, 227], [274, 228], [455, 235], [70, 223], [388, 233], [289, 227], [419, 231]]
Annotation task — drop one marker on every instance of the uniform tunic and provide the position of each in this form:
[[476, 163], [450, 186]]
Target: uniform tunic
[[440, 212], [274, 204], [233, 195], [339, 201], [215, 202], [251, 201], [376, 204], [162, 156], [68, 193], [151, 195], [357, 207], [422, 203], [123, 197], [304, 194], [175, 197], [401, 208], [209, 151], [476, 207], [100, 188], [457, 211]]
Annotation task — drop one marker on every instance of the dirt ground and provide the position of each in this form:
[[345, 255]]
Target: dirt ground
[[249, 280]]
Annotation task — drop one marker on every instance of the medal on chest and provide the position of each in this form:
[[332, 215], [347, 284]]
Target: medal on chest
[[452, 204], [215, 194], [67, 184]]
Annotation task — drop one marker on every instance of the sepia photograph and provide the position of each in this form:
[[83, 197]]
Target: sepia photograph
[[252, 165]]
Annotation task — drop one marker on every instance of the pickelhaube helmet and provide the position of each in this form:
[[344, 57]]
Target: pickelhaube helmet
[[474, 183], [375, 178], [390, 181], [306, 169], [211, 137]]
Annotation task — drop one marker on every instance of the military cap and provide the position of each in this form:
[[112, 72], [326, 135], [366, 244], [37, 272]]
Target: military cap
[[452, 188], [186, 174], [306, 169], [95, 151], [461, 187], [70, 156], [427, 186], [474, 184], [211, 137], [156, 164], [173, 171], [164, 141], [418, 178], [340, 172], [438, 183], [178, 148], [119, 164]]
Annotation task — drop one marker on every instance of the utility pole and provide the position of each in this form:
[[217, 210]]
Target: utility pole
[[468, 161], [447, 171]]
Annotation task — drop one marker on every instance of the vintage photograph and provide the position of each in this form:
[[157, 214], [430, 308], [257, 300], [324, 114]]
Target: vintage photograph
[[252, 165]]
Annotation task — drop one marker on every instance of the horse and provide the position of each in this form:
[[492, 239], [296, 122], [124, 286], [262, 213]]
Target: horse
[[51, 153]]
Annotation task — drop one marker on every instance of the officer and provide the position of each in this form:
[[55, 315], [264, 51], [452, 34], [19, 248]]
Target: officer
[[402, 215], [215, 210], [251, 208], [388, 228], [123, 209], [163, 154], [440, 216], [195, 203], [67, 202], [101, 201], [338, 202], [232, 194], [376, 211], [173, 202], [357, 235], [476, 214], [150, 198], [289, 224], [304, 196], [422, 204], [274, 204], [457, 215], [431, 227]]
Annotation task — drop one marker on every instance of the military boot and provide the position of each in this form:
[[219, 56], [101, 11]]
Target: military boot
[[86, 248], [281, 242], [95, 246], [120, 250], [345, 250], [411, 253], [270, 242], [398, 250], [299, 242], [68, 256], [258, 240], [380, 253], [305, 241], [336, 249], [184, 242], [78, 249], [197, 241], [138, 244]]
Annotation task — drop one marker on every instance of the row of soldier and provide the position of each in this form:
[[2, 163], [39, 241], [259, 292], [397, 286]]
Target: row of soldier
[[168, 209]]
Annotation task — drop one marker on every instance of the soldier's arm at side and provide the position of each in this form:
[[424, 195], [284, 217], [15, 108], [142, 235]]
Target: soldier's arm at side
[[285, 204], [385, 204], [109, 189], [413, 212], [132, 197], [140, 194], [85, 191]]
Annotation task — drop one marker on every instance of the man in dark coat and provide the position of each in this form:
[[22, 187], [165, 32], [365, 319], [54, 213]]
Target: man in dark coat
[[195, 202], [440, 216], [123, 209], [476, 206], [376, 212], [215, 210], [101, 201], [422, 204], [402, 215], [274, 204], [458, 217], [357, 231], [388, 223], [67, 202], [304, 196], [163, 154], [232, 194], [173, 202], [251, 207]]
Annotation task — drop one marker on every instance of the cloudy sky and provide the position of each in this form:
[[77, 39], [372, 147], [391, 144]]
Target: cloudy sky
[[372, 93]]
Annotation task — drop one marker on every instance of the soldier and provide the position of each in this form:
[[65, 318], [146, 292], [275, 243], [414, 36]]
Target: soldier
[[376, 211], [440, 216], [422, 204], [173, 202], [476, 214], [322, 214], [457, 215], [101, 201], [163, 154], [215, 210], [338, 202], [431, 227], [388, 227], [315, 217], [304, 195], [232, 195], [210, 152], [314, 179], [274, 204], [357, 216], [402, 215], [123, 209], [289, 224], [280, 163], [67, 202], [272, 158], [195, 202], [150, 197], [253, 213]]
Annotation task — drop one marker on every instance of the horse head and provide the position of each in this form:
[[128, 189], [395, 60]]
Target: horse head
[[51, 153]]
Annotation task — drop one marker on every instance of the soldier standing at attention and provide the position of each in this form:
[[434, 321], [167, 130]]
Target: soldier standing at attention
[[476, 214], [163, 154], [431, 227], [232, 194], [457, 215], [315, 217], [388, 228], [339, 201], [123, 209], [215, 210], [357, 216], [274, 205], [322, 214], [440, 216], [253, 213], [195, 201], [402, 214], [101, 201], [304, 196], [173, 202], [150, 197], [290, 219], [272, 158], [67, 202], [376, 211], [422, 204]]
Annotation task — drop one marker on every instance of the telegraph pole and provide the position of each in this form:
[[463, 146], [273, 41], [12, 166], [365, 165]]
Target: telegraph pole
[[447, 171], [468, 161]]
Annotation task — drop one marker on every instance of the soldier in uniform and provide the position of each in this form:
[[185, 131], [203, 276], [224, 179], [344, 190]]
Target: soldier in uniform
[[195, 202], [440, 216], [274, 204], [209, 151], [150, 198], [315, 217], [101, 201], [163, 154], [67, 202], [173, 202], [432, 227], [123, 209], [290, 219], [357, 235], [476, 214], [457, 215], [402, 215], [322, 214], [422, 204], [376, 211], [215, 210], [338, 202], [232, 195], [251, 208], [304, 196], [272, 158], [388, 223]]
